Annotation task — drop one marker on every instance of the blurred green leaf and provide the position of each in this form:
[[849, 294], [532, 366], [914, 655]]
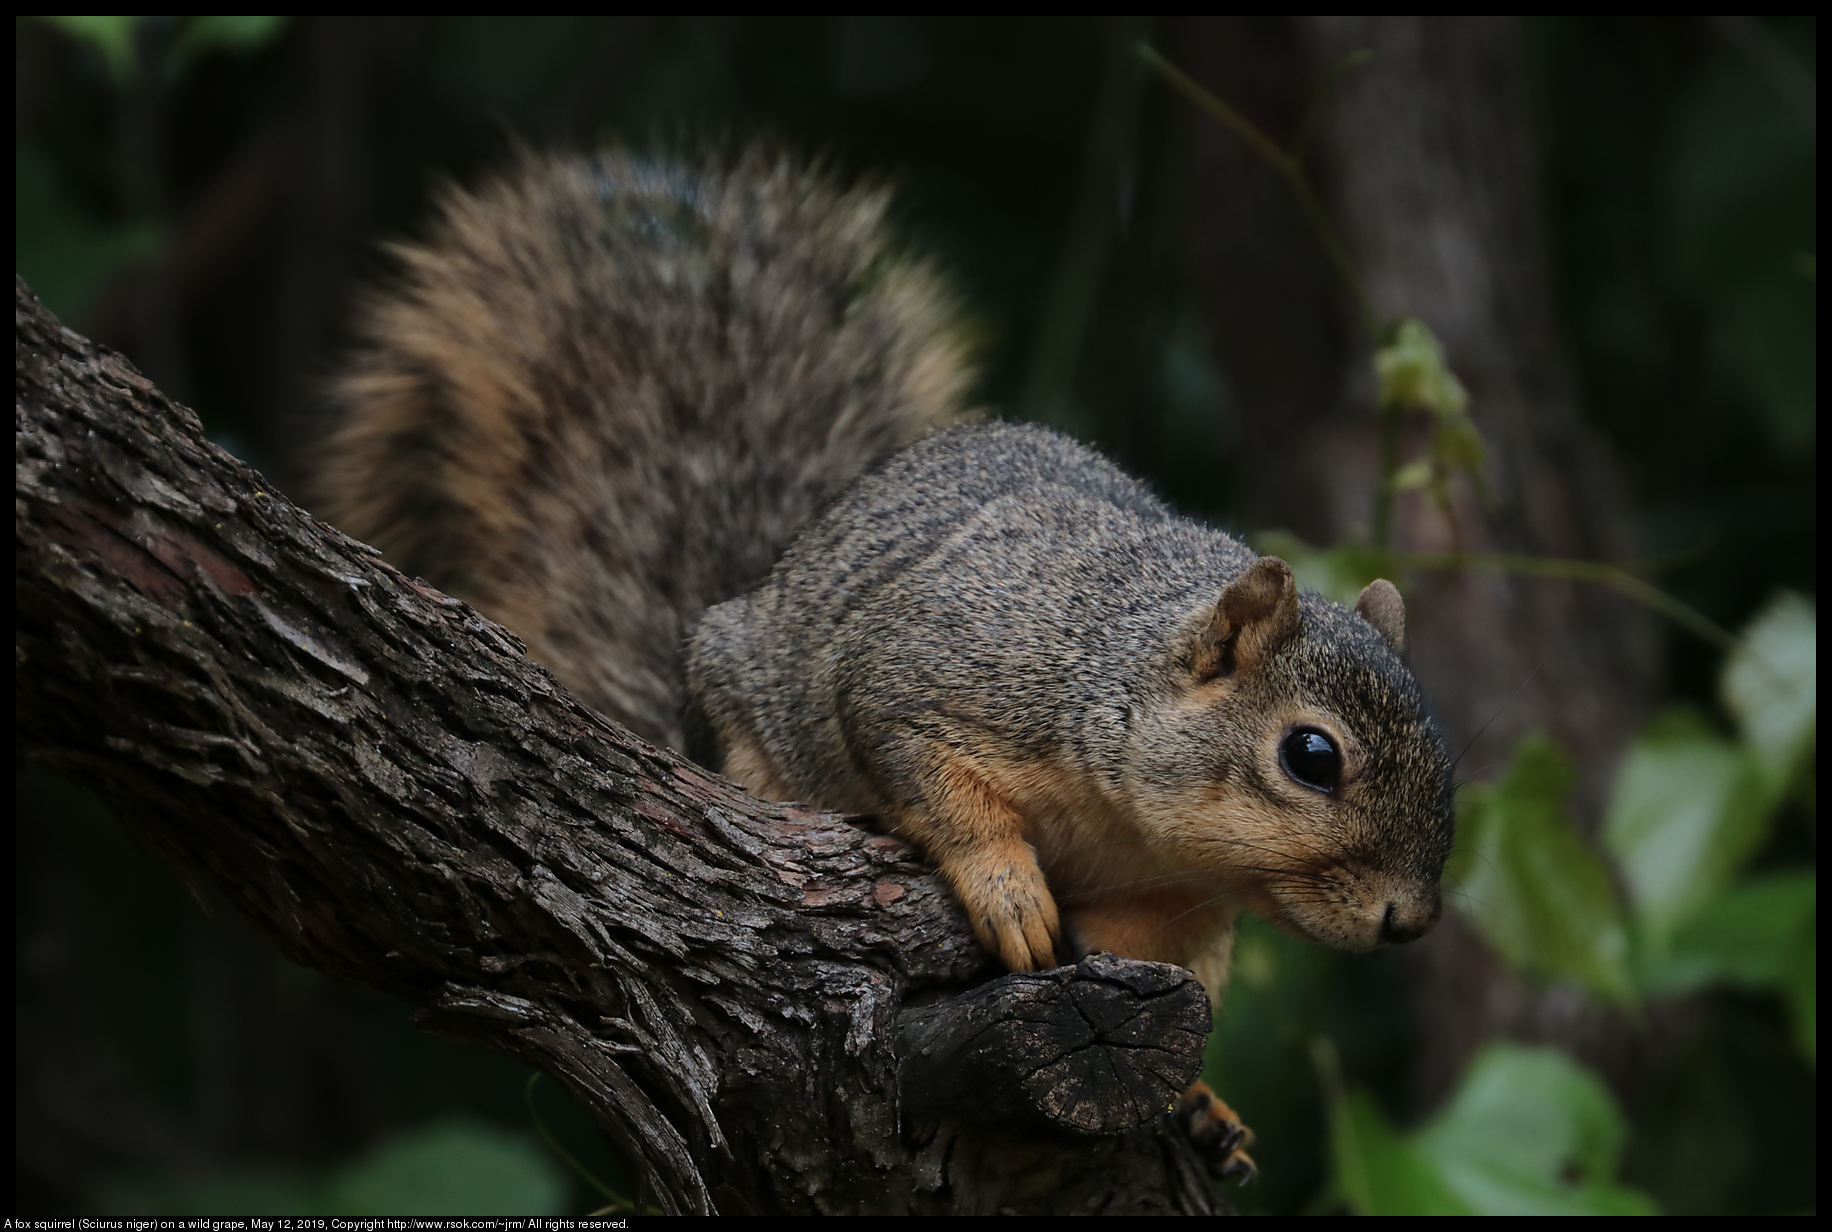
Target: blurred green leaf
[[453, 1168], [1533, 886], [1412, 373], [1259, 1055], [1415, 474], [237, 34], [1769, 334], [1757, 934], [459, 1168], [1686, 811], [1761, 934], [1337, 573], [1527, 1133], [1413, 376], [1741, 178], [234, 1194], [1770, 684], [1530, 1133], [112, 36], [1378, 1172], [1459, 446], [1743, 193], [64, 253], [1803, 996]]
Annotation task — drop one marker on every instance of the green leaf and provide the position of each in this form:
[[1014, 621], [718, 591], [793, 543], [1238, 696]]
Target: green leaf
[[235, 1193], [1803, 998], [1415, 474], [112, 36], [1530, 1133], [64, 253], [1686, 811], [1757, 934], [1458, 446], [236, 34], [1527, 1133], [456, 1168], [1770, 685], [1411, 371], [1760, 934], [1337, 573], [1742, 178], [1413, 376], [1769, 332], [1378, 1172], [1742, 207], [1534, 887]]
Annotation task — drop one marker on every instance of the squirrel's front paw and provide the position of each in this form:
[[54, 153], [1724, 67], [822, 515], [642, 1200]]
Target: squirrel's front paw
[[1011, 909], [1216, 1133]]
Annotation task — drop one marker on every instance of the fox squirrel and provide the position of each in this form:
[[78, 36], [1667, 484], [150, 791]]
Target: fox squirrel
[[608, 391]]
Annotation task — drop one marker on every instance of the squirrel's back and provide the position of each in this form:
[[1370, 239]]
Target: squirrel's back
[[1037, 563], [607, 391]]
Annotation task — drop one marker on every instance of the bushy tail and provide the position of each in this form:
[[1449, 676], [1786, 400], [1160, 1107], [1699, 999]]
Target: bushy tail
[[607, 392]]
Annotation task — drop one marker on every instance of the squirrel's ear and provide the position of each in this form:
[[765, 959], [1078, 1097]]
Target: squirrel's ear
[[1257, 614], [1381, 606]]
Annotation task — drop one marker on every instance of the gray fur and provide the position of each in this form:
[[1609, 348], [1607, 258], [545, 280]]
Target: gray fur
[[1002, 587]]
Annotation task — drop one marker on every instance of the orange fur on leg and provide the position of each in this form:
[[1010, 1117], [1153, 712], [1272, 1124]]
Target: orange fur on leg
[[978, 841], [746, 764]]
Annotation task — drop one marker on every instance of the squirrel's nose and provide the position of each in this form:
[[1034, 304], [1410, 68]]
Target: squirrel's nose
[[1407, 922]]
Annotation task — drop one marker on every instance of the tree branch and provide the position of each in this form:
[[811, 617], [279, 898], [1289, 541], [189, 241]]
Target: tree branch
[[380, 779]]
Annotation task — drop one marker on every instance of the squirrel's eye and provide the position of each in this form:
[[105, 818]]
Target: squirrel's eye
[[1311, 758]]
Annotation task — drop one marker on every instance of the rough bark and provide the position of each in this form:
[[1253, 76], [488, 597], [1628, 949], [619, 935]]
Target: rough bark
[[381, 781]]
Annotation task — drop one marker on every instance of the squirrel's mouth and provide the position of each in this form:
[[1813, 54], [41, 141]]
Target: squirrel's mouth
[[1347, 914], [1263, 899]]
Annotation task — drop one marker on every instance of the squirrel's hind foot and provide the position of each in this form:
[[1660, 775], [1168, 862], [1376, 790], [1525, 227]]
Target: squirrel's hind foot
[[1217, 1134]]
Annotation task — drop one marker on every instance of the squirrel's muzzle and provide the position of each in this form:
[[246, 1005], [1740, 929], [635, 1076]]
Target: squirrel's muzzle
[[1409, 919]]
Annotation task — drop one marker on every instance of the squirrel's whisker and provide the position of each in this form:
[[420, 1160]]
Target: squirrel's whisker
[[1512, 698]]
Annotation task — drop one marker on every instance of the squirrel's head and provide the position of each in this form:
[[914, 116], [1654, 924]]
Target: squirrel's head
[[1291, 756]]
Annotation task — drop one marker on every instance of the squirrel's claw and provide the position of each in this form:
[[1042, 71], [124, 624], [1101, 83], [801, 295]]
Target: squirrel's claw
[[1217, 1134]]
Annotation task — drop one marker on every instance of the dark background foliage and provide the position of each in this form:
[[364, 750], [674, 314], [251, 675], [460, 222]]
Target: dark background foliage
[[214, 207]]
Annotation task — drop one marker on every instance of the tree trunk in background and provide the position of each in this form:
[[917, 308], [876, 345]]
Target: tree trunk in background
[[1256, 276], [1430, 156]]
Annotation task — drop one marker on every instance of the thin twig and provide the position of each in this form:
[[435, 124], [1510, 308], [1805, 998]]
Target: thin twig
[[1286, 164], [1290, 165], [618, 1201], [1307, 127], [1616, 577]]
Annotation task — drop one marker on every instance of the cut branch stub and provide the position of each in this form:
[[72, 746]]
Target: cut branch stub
[[1092, 1050]]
